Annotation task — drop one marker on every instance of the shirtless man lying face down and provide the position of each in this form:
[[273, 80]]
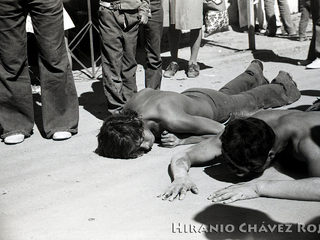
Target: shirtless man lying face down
[[183, 118], [250, 145]]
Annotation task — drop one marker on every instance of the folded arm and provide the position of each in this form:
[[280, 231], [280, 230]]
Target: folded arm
[[178, 121], [171, 140]]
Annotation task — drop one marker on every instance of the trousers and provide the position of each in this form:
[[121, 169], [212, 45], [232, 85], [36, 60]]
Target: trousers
[[153, 34], [60, 109], [314, 49], [304, 19], [247, 93], [119, 34], [285, 16]]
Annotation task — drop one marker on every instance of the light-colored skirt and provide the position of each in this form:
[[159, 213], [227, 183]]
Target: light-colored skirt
[[185, 14]]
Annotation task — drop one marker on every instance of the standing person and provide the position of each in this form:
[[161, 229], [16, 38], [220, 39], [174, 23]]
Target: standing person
[[314, 49], [119, 25], [60, 112], [285, 16], [184, 15], [304, 19], [153, 34]]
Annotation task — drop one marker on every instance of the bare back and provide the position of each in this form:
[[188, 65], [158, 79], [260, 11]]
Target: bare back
[[301, 129], [157, 108]]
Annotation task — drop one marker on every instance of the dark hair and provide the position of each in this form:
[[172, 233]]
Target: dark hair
[[247, 142], [120, 136]]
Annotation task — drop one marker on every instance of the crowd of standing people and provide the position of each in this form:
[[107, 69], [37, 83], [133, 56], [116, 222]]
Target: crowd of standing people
[[119, 24]]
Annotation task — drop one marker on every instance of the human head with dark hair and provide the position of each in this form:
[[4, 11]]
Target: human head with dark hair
[[247, 144], [124, 136]]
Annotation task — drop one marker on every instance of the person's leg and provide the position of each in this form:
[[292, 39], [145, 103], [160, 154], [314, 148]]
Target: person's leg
[[281, 91], [285, 15], [317, 28], [314, 49], [270, 17], [252, 77], [16, 104], [66, 39], [60, 108], [261, 16], [195, 41], [304, 19], [174, 40], [111, 56], [153, 34], [129, 64]]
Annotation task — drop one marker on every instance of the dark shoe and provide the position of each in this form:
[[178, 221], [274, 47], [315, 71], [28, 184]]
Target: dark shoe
[[193, 70], [315, 106], [270, 33], [171, 70]]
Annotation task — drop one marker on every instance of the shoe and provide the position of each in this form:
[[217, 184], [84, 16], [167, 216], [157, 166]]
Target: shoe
[[58, 136], [171, 70], [193, 70], [14, 139], [270, 33], [314, 65], [303, 39], [293, 34]]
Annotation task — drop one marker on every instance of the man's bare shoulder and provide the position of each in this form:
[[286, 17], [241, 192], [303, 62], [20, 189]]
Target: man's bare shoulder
[[301, 119], [274, 114], [140, 99], [295, 121]]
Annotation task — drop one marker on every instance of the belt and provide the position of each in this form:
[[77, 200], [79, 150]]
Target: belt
[[111, 5]]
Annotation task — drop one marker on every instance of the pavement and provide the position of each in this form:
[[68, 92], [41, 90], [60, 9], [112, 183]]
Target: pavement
[[64, 191]]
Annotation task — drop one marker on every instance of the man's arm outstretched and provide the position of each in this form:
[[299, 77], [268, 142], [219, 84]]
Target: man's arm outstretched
[[302, 189], [181, 163]]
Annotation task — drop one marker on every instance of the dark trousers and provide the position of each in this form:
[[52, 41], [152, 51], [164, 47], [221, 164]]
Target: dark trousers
[[285, 16], [118, 33], [314, 49], [59, 98], [304, 19], [153, 34], [248, 93]]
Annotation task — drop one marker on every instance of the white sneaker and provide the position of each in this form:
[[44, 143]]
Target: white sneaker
[[61, 135], [14, 139], [314, 65]]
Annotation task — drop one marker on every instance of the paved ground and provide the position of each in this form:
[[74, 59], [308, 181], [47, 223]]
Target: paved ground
[[63, 190]]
